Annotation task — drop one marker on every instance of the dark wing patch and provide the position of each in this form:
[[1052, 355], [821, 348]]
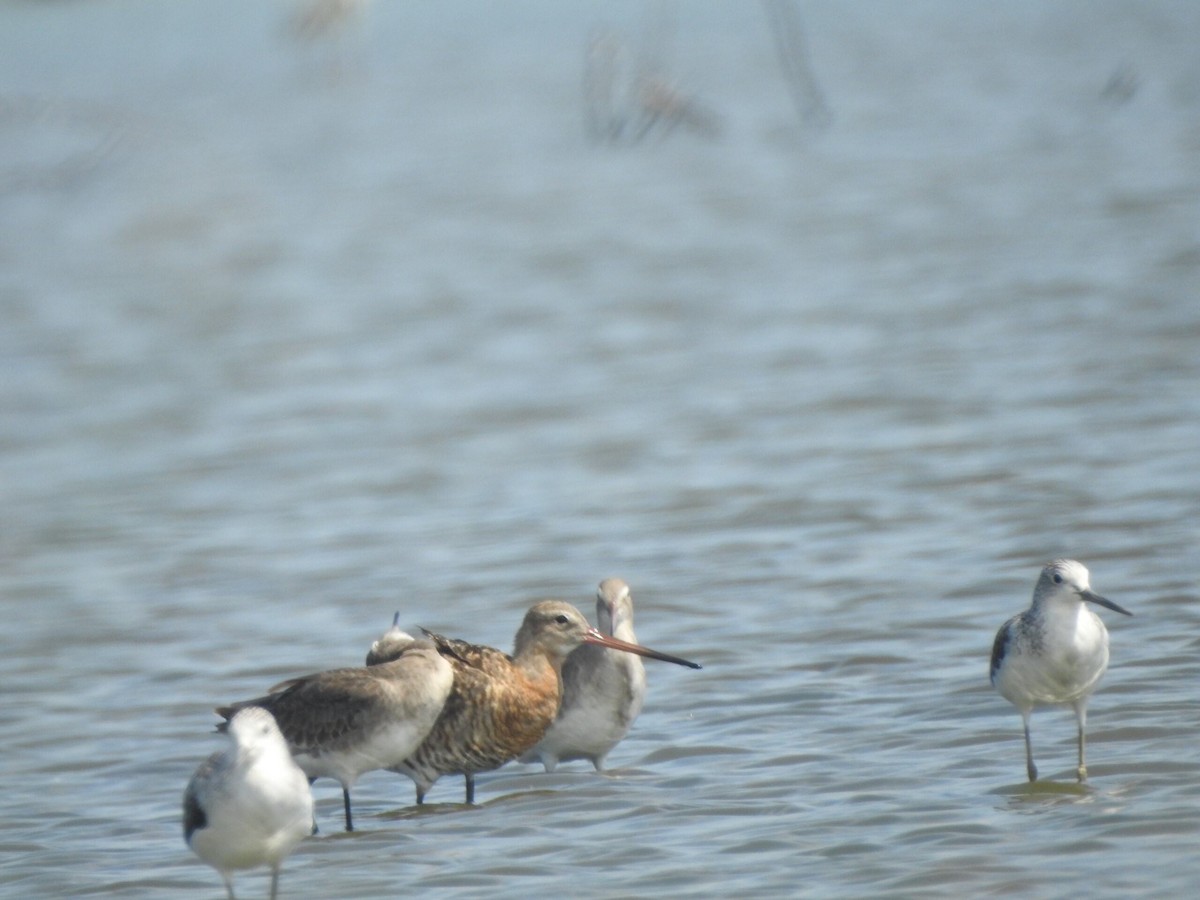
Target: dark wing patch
[[1000, 647], [194, 817]]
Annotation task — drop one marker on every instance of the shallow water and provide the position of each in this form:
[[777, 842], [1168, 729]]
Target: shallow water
[[295, 335]]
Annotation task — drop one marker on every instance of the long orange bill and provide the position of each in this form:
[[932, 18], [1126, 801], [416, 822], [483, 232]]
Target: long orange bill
[[595, 637]]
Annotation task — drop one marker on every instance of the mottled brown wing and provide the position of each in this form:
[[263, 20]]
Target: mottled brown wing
[[323, 711]]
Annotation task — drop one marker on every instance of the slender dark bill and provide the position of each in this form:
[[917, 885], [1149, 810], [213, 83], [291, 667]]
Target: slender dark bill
[[1092, 597]]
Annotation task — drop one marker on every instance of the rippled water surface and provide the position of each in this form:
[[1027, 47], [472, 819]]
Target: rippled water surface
[[295, 333]]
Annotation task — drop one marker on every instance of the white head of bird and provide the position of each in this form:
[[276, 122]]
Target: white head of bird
[[255, 732], [1066, 581]]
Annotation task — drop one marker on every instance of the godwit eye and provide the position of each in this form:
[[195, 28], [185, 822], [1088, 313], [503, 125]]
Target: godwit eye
[[561, 619], [1057, 578]]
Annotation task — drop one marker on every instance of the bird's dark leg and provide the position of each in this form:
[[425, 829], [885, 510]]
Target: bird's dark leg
[[470, 778], [1030, 768], [346, 804]]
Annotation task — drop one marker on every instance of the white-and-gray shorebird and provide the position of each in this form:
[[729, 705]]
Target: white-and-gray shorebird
[[343, 723], [248, 805], [1055, 652], [603, 690]]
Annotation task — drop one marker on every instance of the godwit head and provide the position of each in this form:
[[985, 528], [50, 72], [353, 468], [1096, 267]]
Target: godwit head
[[248, 805], [555, 628]]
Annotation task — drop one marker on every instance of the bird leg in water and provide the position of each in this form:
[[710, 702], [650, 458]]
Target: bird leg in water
[[1081, 717], [1029, 766]]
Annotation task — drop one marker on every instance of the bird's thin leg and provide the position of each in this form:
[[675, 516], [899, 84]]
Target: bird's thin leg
[[1030, 768], [315, 829], [274, 882], [1081, 717], [470, 777], [346, 805], [228, 879]]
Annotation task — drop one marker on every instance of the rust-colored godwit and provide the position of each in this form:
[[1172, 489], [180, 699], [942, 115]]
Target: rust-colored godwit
[[603, 690], [248, 805], [500, 706], [344, 722]]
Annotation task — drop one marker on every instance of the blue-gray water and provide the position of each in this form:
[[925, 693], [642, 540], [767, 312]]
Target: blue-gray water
[[294, 335]]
